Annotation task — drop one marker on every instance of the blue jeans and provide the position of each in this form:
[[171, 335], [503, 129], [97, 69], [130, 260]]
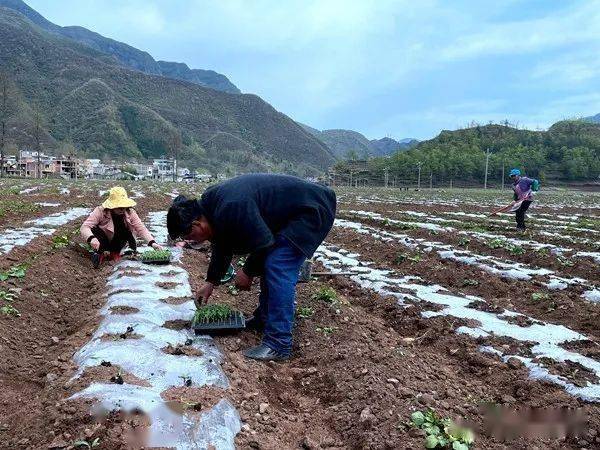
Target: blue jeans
[[277, 294]]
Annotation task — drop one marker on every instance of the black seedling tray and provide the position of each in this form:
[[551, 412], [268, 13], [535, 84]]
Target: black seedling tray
[[235, 322]]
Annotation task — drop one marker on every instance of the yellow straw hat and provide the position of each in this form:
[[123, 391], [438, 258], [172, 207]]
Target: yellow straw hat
[[117, 198]]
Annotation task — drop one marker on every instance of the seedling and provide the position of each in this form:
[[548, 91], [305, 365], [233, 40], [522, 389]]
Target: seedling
[[233, 290], [496, 243], [60, 241], [211, 313], [304, 312], [515, 249], [537, 296], [400, 258], [156, 256], [327, 331], [470, 282], [543, 251], [17, 271], [7, 296], [87, 444], [327, 295], [464, 242], [10, 310], [441, 433], [565, 261]]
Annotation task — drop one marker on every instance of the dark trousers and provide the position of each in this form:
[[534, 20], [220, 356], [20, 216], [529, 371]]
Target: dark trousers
[[520, 214], [116, 244], [277, 294]]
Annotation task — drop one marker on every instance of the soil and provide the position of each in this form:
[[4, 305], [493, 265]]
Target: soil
[[352, 387]]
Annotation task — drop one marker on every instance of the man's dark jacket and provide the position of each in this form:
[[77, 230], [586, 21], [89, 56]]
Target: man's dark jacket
[[247, 212]]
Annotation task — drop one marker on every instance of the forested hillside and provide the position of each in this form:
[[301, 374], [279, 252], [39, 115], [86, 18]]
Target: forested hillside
[[78, 95], [568, 150]]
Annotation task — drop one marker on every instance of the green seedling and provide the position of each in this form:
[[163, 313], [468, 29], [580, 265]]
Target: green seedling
[[8, 296], [544, 251], [10, 310], [565, 261], [537, 296], [496, 243], [327, 331], [155, 255], [17, 271], [212, 313], [470, 282], [233, 290], [441, 433], [87, 444], [400, 258], [415, 258], [304, 312], [515, 249], [60, 241], [464, 242], [327, 295]]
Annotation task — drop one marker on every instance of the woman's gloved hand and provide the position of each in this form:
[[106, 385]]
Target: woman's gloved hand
[[156, 246]]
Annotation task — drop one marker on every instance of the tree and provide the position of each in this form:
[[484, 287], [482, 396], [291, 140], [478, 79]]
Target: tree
[[8, 107]]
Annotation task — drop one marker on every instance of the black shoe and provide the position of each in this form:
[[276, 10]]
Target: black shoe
[[264, 353], [255, 324], [96, 258]]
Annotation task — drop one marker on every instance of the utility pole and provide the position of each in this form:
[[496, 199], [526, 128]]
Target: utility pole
[[419, 176], [430, 180], [502, 174], [487, 162]]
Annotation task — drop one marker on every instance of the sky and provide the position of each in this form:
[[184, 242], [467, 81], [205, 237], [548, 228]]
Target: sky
[[397, 68]]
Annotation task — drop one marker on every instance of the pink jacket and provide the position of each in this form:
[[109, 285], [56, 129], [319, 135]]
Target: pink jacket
[[102, 218]]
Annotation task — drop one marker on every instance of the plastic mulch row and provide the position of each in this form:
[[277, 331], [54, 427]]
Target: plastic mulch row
[[234, 322]]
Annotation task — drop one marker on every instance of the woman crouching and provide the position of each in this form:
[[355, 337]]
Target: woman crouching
[[112, 226]]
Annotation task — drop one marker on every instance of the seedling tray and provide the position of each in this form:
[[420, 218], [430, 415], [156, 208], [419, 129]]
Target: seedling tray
[[235, 322], [156, 257]]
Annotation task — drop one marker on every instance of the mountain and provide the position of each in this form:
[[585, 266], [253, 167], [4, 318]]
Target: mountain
[[125, 54], [343, 143], [111, 111], [594, 119], [386, 146], [569, 151]]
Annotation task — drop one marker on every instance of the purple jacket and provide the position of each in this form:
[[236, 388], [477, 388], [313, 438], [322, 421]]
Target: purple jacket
[[522, 189]]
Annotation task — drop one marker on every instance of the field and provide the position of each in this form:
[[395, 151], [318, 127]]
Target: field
[[434, 305]]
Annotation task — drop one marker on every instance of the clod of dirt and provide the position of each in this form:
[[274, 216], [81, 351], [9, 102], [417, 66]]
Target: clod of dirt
[[123, 309], [166, 284], [117, 379], [106, 363], [182, 350], [177, 324]]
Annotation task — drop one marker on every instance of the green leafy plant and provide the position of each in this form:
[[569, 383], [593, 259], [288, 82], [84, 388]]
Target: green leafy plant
[[537, 296], [87, 444], [464, 242], [515, 249], [565, 261], [326, 294], [327, 331], [10, 310], [17, 271], [304, 312], [441, 433], [470, 282], [543, 251], [212, 312], [233, 290], [496, 243], [60, 241]]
